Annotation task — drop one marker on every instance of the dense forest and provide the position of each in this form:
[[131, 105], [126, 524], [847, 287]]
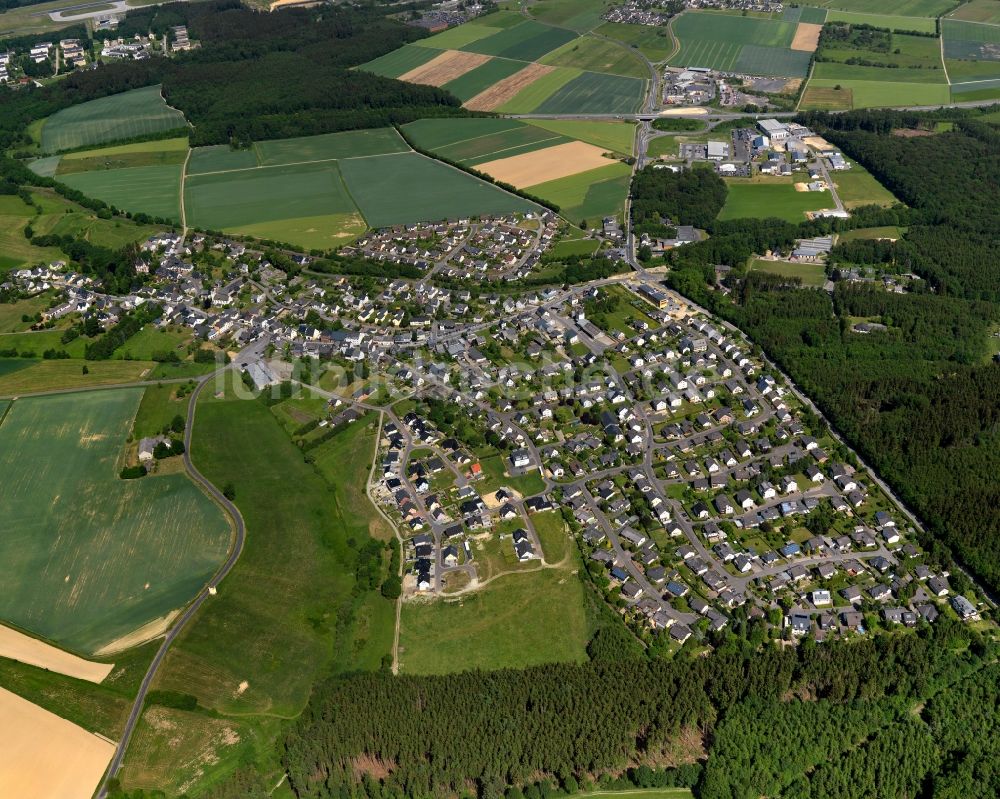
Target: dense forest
[[767, 720], [256, 75], [920, 401]]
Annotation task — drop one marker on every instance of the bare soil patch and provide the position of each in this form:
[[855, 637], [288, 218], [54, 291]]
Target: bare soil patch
[[446, 67], [18, 646], [505, 90], [911, 133], [46, 757], [817, 143], [806, 37], [552, 163]]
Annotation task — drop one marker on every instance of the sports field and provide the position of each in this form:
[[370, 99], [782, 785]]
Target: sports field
[[759, 200], [407, 187], [153, 190], [90, 557], [519, 620], [305, 204], [811, 275], [736, 43], [121, 116]]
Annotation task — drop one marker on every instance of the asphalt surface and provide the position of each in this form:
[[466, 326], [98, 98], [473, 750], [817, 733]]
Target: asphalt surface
[[182, 621]]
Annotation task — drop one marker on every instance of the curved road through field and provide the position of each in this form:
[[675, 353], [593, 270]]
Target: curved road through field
[[192, 609]]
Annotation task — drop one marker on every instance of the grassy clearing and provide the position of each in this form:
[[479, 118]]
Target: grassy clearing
[[654, 43], [771, 199], [570, 247], [617, 137], [129, 551], [886, 232], [153, 190], [811, 275], [518, 620], [386, 187], [121, 116], [157, 410], [598, 55], [52, 375], [152, 339], [857, 187]]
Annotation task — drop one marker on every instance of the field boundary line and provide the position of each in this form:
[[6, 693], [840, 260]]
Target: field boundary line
[[295, 163], [350, 195], [519, 146], [473, 138]]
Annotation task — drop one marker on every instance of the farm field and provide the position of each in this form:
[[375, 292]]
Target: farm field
[[306, 204], [522, 94], [827, 98], [401, 61], [870, 94], [43, 755], [857, 187], [18, 646], [478, 80], [850, 73], [598, 55], [590, 195], [129, 551], [121, 116], [775, 198], [61, 374], [812, 275], [654, 43], [737, 43], [350, 144], [578, 15], [521, 619], [595, 93], [617, 137], [151, 340], [527, 41], [384, 187], [152, 190], [883, 20], [552, 163], [476, 141], [905, 8], [970, 41], [987, 11]]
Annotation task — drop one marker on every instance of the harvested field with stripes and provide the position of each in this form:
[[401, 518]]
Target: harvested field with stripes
[[441, 69], [541, 166], [507, 89]]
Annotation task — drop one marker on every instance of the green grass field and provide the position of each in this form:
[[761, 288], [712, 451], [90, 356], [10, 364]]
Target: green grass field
[[590, 195], [307, 205], [120, 116], [874, 94], [153, 190], [886, 232], [654, 43], [595, 93], [401, 61], [598, 55], [857, 187], [527, 41], [91, 557], [152, 339], [771, 199], [812, 275], [880, 20], [517, 620], [407, 188], [618, 137]]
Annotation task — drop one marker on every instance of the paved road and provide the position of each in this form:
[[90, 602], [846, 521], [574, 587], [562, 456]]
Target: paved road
[[182, 621]]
